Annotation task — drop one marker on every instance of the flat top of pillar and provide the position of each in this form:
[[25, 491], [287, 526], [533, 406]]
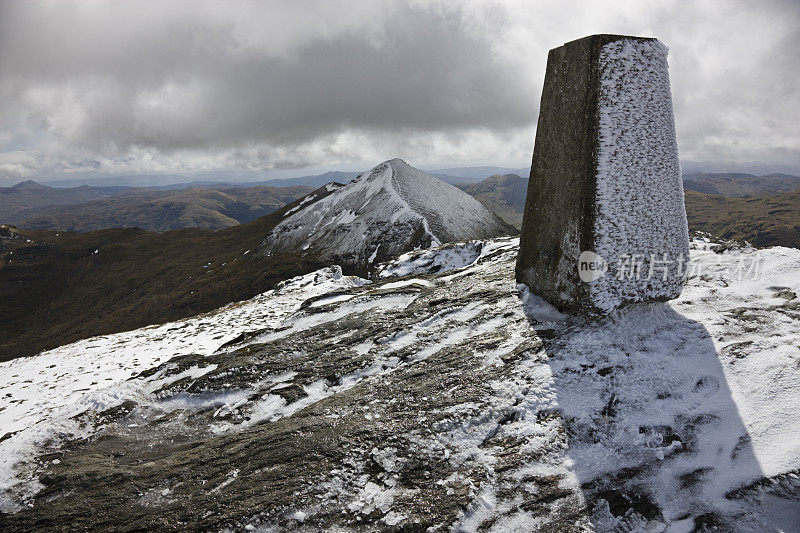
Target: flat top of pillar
[[602, 39]]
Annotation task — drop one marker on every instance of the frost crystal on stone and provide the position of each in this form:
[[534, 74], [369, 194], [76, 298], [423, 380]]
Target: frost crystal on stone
[[640, 217]]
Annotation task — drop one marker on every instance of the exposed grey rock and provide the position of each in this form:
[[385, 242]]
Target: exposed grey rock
[[10, 232]]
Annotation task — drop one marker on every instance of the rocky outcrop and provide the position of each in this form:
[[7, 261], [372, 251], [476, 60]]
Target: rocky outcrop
[[10, 232]]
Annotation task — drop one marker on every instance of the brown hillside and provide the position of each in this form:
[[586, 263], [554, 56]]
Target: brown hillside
[[762, 221], [66, 286]]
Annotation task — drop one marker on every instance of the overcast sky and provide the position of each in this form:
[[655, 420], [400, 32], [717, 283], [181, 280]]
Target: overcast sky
[[166, 87]]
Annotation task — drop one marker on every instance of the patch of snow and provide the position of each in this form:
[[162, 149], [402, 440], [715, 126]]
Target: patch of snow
[[374, 254], [303, 202], [406, 283], [453, 256], [337, 298], [373, 497], [301, 321]]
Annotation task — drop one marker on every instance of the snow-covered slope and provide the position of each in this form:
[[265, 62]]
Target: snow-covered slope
[[449, 399], [388, 210]]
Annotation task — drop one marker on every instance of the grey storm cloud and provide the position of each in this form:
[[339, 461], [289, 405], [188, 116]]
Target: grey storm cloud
[[181, 86]]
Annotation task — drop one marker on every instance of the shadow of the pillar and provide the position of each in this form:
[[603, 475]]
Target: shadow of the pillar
[[653, 432]]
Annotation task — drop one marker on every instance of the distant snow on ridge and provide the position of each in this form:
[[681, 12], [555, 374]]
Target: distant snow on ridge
[[388, 210]]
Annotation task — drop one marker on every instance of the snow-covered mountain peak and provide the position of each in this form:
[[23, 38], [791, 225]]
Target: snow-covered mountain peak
[[385, 211]]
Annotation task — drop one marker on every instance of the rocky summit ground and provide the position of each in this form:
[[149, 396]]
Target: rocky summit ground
[[438, 396]]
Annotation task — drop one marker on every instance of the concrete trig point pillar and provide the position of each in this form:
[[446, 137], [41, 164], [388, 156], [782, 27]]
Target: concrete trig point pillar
[[605, 222]]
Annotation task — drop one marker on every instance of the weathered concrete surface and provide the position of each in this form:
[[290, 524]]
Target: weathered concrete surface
[[560, 217]]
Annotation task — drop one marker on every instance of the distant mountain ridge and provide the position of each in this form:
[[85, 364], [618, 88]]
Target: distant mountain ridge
[[313, 181], [88, 208], [502, 194], [475, 174], [30, 195], [204, 204], [756, 168], [451, 175], [227, 179], [740, 185], [163, 210]]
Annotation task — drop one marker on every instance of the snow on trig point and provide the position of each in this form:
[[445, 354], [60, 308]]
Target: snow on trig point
[[605, 222]]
